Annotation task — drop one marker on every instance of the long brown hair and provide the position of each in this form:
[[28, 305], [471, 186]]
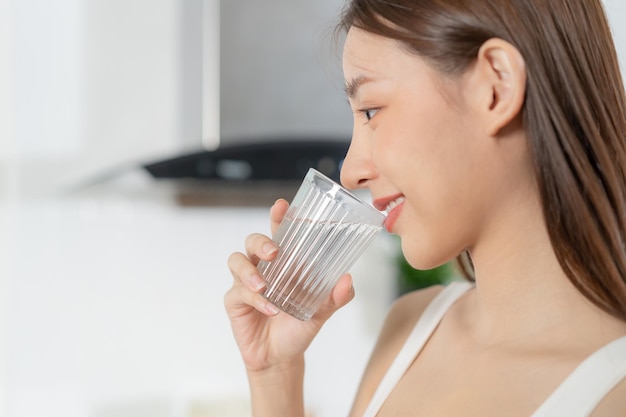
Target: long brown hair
[[574, 113]]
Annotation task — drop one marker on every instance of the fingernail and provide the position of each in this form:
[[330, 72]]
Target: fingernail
[[257, 282], [269, 249], [271, 309]]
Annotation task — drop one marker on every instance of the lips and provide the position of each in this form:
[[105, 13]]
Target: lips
[[393, 206]]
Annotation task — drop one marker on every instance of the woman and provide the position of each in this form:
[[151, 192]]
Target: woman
[[491, 129]]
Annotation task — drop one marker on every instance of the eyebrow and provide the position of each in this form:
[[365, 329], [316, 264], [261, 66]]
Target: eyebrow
[[353, 85]]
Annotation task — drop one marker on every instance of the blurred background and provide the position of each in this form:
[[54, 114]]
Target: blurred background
[[111, 284]]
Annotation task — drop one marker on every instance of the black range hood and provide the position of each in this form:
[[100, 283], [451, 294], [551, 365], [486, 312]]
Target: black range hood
[[249, 174], [260, 161]]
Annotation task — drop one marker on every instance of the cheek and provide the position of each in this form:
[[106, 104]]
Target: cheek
[[398, 142], [431, 238], [429, 147], [420, 125], [429, 159]]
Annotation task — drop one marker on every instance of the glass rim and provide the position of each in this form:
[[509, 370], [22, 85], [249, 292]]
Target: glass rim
[[338, 188]]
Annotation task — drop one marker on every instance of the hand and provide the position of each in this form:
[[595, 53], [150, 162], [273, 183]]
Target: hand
[[266, 336]]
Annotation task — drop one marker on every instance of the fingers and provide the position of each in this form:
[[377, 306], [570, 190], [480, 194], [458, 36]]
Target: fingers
[[244, 272], [245, 294], [240, 301], [259, 247], [248, 283], [277, 212]]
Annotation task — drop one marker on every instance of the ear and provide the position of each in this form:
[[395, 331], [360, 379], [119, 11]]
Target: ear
[[500, 84]]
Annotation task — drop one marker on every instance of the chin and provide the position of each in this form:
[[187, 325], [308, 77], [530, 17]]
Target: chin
[[422, 259]]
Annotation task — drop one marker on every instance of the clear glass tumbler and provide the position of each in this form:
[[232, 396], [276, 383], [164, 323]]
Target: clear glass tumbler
[[322, 234]]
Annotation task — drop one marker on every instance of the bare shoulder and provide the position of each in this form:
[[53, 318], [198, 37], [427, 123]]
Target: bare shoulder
[[614, 404], [400, 320], [404, 313]]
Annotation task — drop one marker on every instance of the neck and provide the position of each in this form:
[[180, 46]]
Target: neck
[[523, 294]]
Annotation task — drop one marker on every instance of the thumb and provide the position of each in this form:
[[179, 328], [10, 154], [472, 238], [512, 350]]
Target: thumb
[[341, 295]]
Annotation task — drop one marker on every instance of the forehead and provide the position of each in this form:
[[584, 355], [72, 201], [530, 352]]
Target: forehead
[[367, 54], [364, 49]]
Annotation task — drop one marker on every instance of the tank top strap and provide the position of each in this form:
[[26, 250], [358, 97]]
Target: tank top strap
[[418, 337], [581, 392]]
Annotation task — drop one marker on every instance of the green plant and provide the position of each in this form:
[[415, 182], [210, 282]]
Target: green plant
[[410, 279]]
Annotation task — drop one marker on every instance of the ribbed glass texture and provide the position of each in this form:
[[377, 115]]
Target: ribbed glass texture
[[322, 234]]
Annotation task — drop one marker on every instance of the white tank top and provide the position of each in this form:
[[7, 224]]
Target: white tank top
[[577, 396]]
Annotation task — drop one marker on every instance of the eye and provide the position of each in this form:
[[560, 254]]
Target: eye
[[369, 113]]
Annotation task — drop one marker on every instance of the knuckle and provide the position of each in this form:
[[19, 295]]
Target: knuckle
[[233, 258], [229, 299], [254, 240]]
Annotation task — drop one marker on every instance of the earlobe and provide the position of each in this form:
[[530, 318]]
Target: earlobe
[[503, 74]]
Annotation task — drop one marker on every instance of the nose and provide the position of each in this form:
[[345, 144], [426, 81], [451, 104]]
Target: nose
[[358, 168]]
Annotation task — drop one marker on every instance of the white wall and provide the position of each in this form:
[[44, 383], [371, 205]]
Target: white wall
[[114, 305], [281, 71], [616, 10], [95, 85]]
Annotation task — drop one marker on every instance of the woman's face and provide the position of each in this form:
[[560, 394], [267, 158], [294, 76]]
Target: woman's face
[[418, 148]]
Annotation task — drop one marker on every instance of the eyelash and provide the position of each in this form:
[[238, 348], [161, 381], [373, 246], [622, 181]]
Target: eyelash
[[367, 113]]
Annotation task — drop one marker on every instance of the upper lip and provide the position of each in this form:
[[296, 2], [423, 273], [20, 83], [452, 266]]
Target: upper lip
[[382, 203]]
